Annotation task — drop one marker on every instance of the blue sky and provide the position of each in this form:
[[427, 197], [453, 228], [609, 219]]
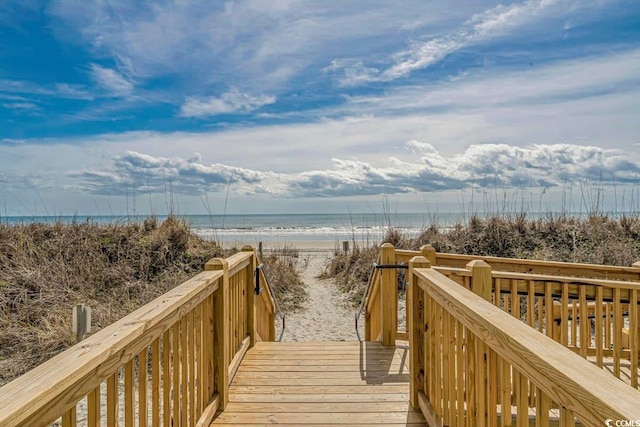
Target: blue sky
[[305, 106]]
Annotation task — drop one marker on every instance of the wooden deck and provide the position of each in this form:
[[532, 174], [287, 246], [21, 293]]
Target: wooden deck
[[345, 383]]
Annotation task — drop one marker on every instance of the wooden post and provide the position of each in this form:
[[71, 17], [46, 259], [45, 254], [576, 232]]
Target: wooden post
[[345, 247], [429, 253], [481, 279], [221, 335], [260, 249], [417, 320], [81, 321], [389, 296], [250, 295]]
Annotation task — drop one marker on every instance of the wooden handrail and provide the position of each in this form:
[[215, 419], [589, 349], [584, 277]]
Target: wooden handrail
[[455, 266], [42, 394], [583, 389], [631, 273], [195, 333]]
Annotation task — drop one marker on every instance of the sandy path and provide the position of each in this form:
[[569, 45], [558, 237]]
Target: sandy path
[[326, 315]]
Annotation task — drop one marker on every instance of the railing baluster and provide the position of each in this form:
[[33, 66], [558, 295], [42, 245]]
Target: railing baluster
[[599, 327], [201, 359], [633, 336], [585, 329], [166, 378], [617, 331], [564, 334], [446, 363], [460, 373], [129, 397], [184, 379], [155, 383], [175, 366], [438, 359], [93, 408], [492, 376], [69, 418], [191, 346], [112, 400], [143, 365]]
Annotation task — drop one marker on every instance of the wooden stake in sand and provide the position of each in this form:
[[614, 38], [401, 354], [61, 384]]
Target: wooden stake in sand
[[81, 321]]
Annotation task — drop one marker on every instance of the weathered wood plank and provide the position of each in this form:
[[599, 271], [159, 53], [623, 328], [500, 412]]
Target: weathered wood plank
[[302, 389], [301, 407], [315, 382], [321, 373], [240, 396], [350, 418], [337, 388]]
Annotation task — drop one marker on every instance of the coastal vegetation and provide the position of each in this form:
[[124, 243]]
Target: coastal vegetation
[[597, 238], [46, 269]]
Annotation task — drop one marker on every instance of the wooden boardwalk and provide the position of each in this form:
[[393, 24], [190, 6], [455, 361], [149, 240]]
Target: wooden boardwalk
[[316, 383]]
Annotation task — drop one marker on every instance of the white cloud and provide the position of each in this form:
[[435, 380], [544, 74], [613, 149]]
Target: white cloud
[[69, 91], [232, 101], [256, 46], [111, 81], [139, 172], [58, 90], [420, 54], [552, 84], [21, 106], [481, 165]]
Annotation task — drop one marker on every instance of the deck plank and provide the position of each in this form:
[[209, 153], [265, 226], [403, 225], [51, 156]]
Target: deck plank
[[343, 383]]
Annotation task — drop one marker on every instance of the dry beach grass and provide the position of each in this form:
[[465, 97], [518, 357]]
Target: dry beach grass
[[597, 238], [46, 269]]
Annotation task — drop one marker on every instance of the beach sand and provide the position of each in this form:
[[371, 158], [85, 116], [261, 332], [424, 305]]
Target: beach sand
[[327, 315]]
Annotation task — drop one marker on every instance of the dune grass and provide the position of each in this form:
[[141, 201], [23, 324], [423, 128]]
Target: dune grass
[[282, 267], [46, 269], [595, 239]]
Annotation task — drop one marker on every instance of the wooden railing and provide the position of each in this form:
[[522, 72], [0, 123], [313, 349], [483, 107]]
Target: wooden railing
[[265, 311], [168, 363], [598, 319], [592, 271], [470, 362]]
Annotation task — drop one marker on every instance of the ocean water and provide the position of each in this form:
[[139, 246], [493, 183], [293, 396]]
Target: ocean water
[[281, 228]]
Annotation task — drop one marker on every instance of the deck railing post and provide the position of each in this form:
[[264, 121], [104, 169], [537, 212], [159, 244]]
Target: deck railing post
[[250, 286], [221, 335], [416, 317], [429, 253], [637, 266], [481, 278], [389, 300]]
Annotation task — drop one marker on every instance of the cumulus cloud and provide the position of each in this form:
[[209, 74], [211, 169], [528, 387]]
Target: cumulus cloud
[[232, 101], [111, 81], [139, 172], [480, 165]]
